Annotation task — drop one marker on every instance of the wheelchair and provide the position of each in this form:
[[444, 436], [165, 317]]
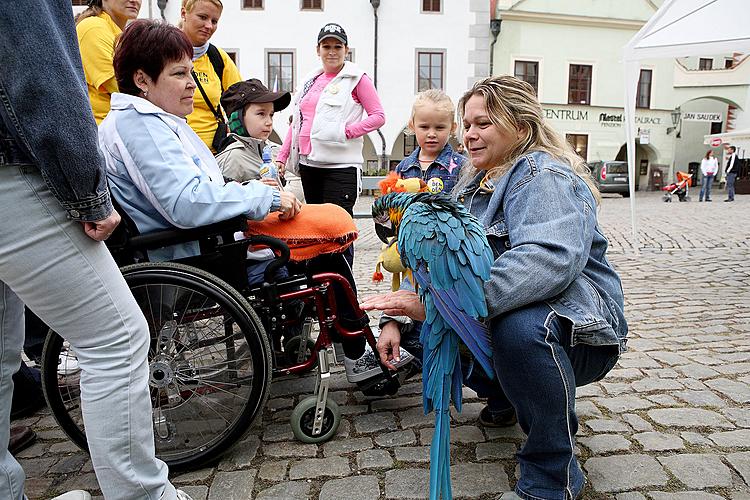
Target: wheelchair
[[217, 342]]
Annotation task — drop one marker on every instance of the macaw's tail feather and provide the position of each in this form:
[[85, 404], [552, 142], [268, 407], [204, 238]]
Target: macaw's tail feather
[[440, 457]]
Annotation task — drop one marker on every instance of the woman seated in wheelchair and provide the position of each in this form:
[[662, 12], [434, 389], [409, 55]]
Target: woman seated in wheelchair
[[162, 174]]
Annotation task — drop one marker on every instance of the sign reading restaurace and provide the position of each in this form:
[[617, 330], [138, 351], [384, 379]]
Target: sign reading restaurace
[[694, 116]]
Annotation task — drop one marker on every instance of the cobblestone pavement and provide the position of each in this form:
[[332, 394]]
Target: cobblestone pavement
[[671, 421]]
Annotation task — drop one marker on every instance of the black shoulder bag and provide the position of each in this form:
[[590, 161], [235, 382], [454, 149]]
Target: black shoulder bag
[[221, 128]]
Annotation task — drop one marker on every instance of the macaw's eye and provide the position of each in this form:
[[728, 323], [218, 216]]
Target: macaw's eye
[[383, 219]]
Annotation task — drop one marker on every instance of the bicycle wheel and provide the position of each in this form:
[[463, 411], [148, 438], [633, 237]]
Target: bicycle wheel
[[209, 365]]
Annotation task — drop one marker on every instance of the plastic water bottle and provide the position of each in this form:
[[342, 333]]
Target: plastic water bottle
[[268, 169]]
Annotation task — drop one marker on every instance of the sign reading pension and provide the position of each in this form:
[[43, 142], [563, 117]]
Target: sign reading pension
[[695, 116]]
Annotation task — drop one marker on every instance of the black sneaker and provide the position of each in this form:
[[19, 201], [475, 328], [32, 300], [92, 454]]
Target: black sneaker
[[504, 418]]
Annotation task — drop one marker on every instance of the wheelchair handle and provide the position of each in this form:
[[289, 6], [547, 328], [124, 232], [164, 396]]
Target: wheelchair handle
[[273, 244]]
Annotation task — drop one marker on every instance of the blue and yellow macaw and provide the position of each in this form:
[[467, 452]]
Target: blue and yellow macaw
[[447, 250]]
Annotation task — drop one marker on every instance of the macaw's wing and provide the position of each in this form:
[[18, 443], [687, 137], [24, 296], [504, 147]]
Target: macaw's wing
[[453, 245], [472, 332]]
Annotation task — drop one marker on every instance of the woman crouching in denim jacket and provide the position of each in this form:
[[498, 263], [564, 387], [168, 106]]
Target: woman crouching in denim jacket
[[555, 303]]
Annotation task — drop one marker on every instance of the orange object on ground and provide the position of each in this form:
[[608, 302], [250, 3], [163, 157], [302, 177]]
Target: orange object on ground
[[316, 230]]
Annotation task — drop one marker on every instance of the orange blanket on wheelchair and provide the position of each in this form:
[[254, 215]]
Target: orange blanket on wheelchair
[[316, 230]]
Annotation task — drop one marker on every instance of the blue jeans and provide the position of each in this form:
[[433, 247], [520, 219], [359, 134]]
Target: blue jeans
[[72, 283], [539, 371], [731, 177], [706, 183]]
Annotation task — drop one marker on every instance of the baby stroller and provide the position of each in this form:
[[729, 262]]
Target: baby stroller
[[680, 188]]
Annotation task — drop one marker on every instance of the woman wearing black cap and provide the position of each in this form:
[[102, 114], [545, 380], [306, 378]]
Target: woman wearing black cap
[[335, 107], [250, 107]]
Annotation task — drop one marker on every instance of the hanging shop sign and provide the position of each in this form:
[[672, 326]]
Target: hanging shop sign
[[695, 116]]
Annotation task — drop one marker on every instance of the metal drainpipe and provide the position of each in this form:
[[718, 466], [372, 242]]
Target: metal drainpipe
[[375, 4], [495, 30]]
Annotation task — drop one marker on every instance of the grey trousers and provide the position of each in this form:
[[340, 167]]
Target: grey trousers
[[72, 283]]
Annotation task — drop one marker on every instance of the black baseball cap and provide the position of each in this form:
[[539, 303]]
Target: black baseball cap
[[333, 30], [241, 94]]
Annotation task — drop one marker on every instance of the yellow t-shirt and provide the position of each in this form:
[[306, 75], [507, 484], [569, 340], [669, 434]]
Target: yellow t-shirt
[[202, 120], [96, 39]]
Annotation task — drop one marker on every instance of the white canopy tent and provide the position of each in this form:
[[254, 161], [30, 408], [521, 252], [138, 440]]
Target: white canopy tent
[[680, 28]]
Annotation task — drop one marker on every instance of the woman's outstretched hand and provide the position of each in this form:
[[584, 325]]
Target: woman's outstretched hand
[[399, 303]]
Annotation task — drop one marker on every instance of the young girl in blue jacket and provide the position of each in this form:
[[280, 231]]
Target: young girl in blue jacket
[[555, 303]]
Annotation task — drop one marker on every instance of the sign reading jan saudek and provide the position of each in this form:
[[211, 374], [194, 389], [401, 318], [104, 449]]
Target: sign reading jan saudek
[[695, 116]]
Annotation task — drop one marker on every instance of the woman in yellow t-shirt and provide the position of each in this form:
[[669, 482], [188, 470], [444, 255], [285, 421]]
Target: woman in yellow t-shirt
[[98, 27], [199, 21]]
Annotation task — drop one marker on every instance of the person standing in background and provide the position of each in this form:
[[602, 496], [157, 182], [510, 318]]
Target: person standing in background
[[731, 172], [97, 28], [709, 167], [324, 143], [213, 70]]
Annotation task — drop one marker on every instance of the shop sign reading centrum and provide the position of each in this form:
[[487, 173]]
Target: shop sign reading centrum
[[604, 119]]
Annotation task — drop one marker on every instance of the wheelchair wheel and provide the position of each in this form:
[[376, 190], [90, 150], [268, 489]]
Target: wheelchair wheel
[[303, 418], [209, 365]]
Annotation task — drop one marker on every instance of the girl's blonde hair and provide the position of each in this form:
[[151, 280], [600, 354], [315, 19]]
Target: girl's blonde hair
[[512, 105], [439, 101]]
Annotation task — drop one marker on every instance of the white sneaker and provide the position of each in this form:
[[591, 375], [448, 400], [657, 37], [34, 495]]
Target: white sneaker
[[74, 495], [181, 495], [67, 363], [368, 365]]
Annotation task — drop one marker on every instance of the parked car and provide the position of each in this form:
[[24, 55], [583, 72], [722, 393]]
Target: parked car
[[611, 176]]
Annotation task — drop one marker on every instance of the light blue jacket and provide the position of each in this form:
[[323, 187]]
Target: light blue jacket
[[541, 224], [164, 176]]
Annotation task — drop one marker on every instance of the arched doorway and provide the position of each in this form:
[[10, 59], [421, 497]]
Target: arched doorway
[[645, 157]]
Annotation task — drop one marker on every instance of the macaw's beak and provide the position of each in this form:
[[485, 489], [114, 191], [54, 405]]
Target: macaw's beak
[[385, 233]]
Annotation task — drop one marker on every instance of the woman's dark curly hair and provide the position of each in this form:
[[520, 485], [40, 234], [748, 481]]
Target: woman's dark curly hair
[[147, 45]]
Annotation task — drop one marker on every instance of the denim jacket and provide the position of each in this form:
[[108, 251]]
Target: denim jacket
[[45, 114], [541, 224], [445, 168]]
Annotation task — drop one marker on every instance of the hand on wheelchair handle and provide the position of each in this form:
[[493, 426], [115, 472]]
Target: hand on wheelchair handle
[[102, 229]]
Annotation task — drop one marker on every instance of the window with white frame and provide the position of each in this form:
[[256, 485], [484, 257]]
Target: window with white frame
[[705, 63], [579, 84], [430, 69], [528, 71], [432, 6], [280, 65], [311, 5], [252, 4], [580, 143]]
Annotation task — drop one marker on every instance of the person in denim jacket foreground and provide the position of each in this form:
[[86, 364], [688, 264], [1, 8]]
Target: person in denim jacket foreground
[[56, 211], [555, 303]]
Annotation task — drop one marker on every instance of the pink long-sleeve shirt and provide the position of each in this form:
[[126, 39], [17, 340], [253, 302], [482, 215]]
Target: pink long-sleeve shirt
[[364, 93]]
